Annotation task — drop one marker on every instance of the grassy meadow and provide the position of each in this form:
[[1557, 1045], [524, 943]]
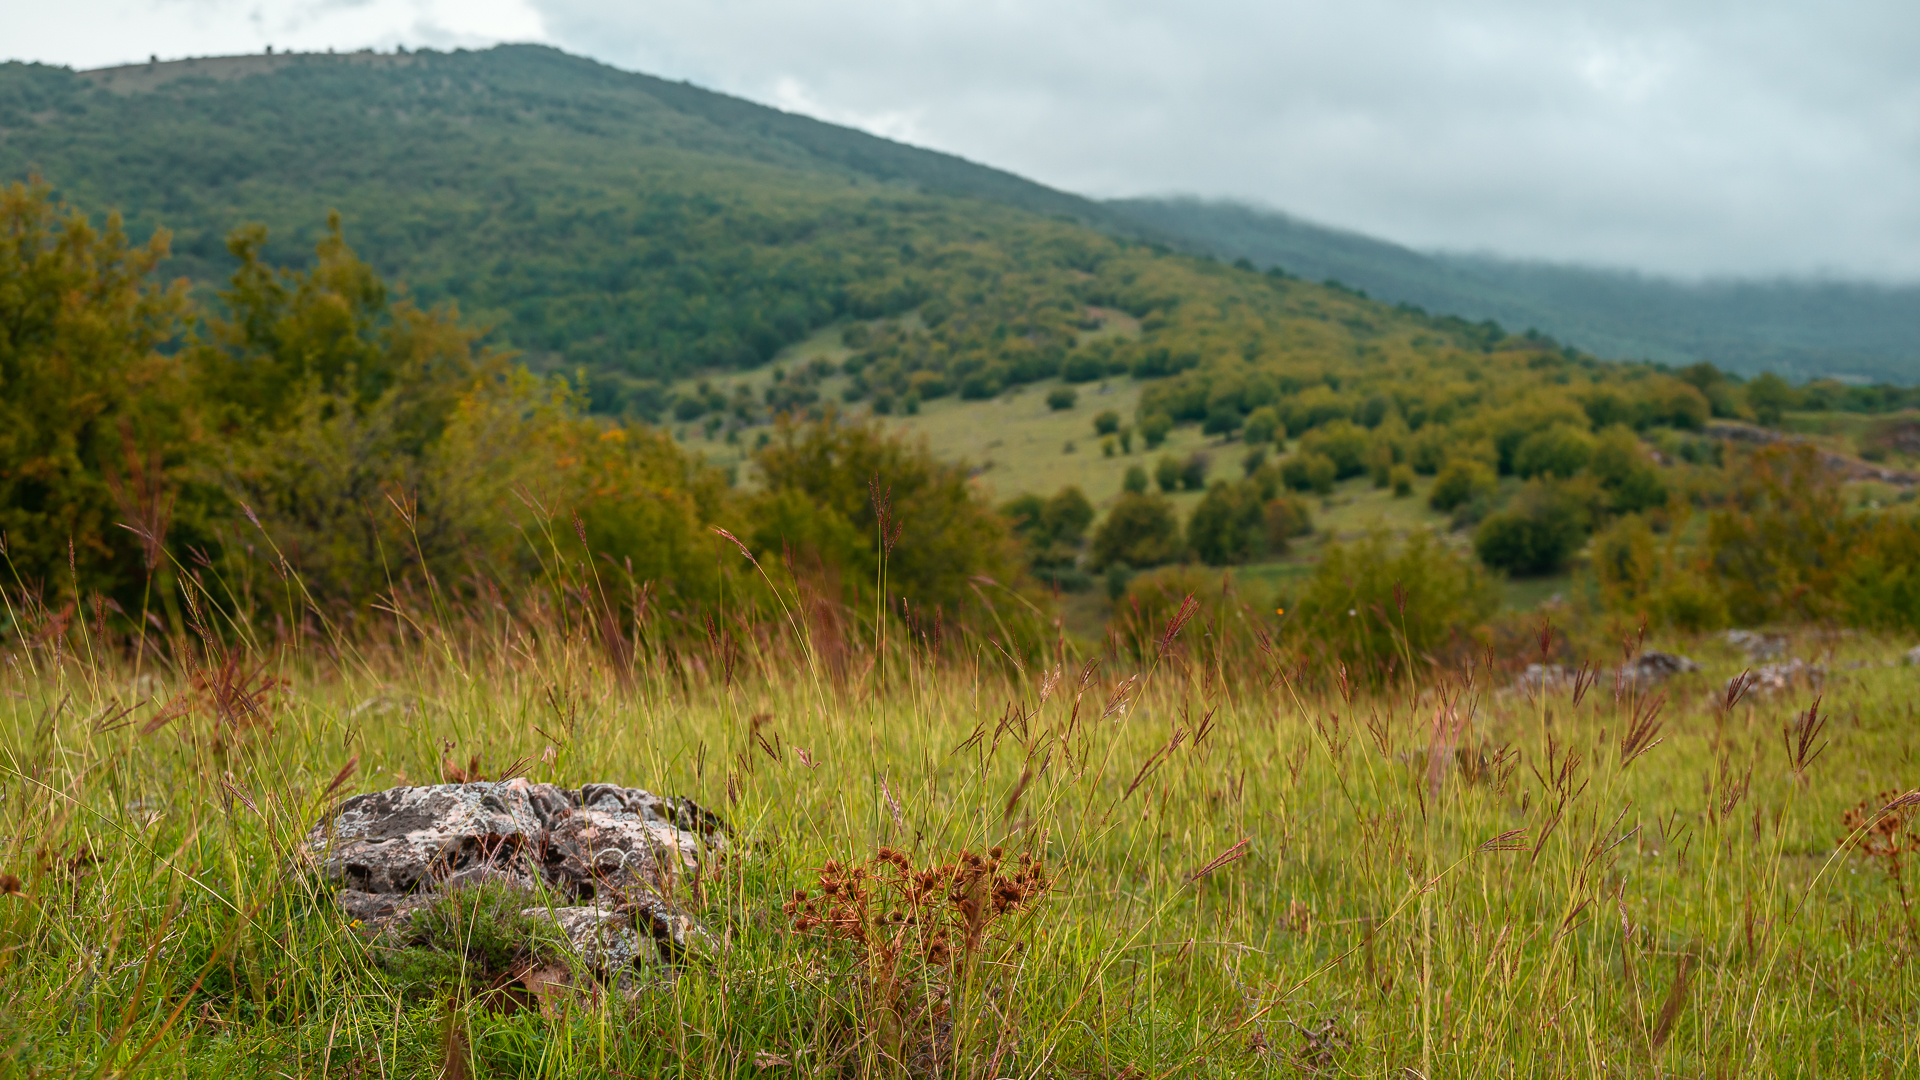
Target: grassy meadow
[[1251, 868]]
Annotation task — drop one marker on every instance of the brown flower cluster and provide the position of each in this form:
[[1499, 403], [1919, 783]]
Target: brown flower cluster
[[889, 905], [1886, 827]]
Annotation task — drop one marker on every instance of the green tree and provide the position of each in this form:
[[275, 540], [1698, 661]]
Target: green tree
[[1262, 425], [1460, 482], [1770, 397], [1155, 429], [1375, 606], [1535, 534], [1106, 423], [94, 426], [1621, 466], [946, 535], [1062, 398], [1560, 450], [1304, 471], [1166, 473], [1229, 525], [1136, 480], [1139, 531]]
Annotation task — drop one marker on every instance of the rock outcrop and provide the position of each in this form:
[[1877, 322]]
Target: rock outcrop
[[603, 863]]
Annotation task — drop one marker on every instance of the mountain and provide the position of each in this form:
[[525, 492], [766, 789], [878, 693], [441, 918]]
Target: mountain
[[637, 228], [1799, 328]]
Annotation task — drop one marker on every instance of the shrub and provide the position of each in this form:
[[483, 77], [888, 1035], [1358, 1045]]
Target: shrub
[[1380, 465], [947, 536], [1136, 480], [1402, 479], [1140, 530], [1256, 459], [1459, 483], [1150, 601], [1229, 525], [1193, 474], [1535, 533], [1107, 423], [1062, 398], [1560, 450], [1155, 429], [1166, 473], [1083, 367], [1352, 605], [1309, 472], [1341, 441], [1285, 517], [1770, 397], [1622, 469], [1261, 426]]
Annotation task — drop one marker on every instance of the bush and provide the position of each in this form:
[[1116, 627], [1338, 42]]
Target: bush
[[947, 538], [1350, 608], [1149, 601], [1166, 473], [1052, 529], [1261, 426], [1621, 467], [1083, 367], [1536, 532], [1402, 479], [1193, 474], [1140, 530], [1459, 483], [1107, 423], [1136, 480], [1062, 398], [1155, 429], [1560, 450], [1286, 517], [1309, 472], [1229, 526], [1341, 441]]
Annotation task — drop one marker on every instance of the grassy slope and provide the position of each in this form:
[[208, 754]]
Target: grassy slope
[[1800, 329]]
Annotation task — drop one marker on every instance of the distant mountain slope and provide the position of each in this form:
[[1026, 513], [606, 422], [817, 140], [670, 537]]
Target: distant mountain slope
[[1802, 329], [598, 218]]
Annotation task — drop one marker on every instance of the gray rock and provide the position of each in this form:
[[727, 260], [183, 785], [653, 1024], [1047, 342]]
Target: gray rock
[[1651, 668], [607, 861], [1773, 678], [578, 843], [1913, 655], [1756, 645]]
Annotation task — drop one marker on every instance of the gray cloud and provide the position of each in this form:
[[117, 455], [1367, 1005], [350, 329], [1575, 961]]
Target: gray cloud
[[1706, 138]]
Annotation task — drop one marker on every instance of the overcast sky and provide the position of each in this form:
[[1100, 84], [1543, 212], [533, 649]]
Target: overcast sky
[[1744, 138]]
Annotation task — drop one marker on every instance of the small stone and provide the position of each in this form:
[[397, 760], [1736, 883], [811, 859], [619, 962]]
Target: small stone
[[1756, 645], [1653, 667]]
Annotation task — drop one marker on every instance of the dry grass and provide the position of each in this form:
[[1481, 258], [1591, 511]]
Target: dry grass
[[1243, 875]]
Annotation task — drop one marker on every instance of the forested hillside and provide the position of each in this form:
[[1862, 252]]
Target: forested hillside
[[592, 217], [1800, 329]]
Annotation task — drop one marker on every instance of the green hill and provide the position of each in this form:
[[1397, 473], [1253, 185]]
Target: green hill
[[1801, 329], [638, 227]]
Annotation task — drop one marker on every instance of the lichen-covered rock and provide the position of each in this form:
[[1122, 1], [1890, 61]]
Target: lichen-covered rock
[[1756, 645], [1651, 668], [579, 843], [1774, 678]]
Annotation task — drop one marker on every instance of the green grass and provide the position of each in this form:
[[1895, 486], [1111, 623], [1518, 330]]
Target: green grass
[[164, 931]]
